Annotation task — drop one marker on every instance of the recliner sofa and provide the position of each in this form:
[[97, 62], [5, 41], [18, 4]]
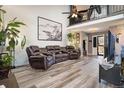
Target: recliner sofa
[[43, 58], [38, 60], [72, 52], [59, 54]]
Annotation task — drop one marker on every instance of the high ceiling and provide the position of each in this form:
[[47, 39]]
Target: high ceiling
[[98, 25], [82, 7]]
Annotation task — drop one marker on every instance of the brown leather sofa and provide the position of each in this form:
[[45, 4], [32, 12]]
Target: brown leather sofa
[[72, 52], [38, 60], [43, 58], [59, 54]]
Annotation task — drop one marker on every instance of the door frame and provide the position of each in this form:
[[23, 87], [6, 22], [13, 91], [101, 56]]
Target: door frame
[[101, 35], [100, 45], [92, 45]]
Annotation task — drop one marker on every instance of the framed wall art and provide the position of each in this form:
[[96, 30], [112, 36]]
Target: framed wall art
[[100, 40], [49, 30]]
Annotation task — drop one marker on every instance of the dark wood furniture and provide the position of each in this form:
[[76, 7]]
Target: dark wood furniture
[[115, 75], [9, 82], [112, 75]]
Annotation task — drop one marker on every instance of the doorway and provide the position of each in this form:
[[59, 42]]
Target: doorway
[[84, 48], [94, 45], [100, 45]]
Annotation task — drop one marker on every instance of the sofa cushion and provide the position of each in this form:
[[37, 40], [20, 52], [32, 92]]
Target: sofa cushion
[[57, 52], [74, 53], [35, 48], [51, 51], [70, 47], [49, 48], [61, 55], [56, 47], [42, 50], [36, 53]]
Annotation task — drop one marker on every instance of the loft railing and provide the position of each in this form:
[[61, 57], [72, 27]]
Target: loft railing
[[106, 11], [115, 9]]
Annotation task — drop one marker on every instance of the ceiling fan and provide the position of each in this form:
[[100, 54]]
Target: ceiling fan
[[75, 14]]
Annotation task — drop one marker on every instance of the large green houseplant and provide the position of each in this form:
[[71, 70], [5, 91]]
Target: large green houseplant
[[5, 63], [9, 35], [70, 37], [72, 40]]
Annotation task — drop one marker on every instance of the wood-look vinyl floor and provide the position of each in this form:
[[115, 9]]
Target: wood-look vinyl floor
[[81, 73]]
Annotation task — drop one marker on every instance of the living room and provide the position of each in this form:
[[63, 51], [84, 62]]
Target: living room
[[56, 54], [31, 21]]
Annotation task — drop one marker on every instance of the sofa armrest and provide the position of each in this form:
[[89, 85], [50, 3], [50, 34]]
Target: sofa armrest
[[58, 52], [34, 60], [36, 57], [76, 50], [47, 53], [72, 51], [64, 51]]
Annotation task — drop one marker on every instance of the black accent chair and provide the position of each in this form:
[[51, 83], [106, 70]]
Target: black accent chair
[[38, 60], [112, 75]]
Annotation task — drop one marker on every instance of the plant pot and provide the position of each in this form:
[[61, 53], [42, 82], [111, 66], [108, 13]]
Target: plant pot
[[4, 72]]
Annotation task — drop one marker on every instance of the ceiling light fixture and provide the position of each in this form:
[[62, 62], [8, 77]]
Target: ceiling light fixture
[[93, 29]]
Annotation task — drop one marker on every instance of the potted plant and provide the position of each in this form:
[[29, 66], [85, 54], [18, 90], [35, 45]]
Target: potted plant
[[72, 39], [5, 63], [70, 36], [9, 35]]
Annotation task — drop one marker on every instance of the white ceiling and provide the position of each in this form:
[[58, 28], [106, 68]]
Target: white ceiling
[[97, 26], [101, 26], [82, 7]]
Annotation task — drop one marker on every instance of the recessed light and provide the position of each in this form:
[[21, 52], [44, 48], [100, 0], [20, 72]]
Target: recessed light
[[93, 29]]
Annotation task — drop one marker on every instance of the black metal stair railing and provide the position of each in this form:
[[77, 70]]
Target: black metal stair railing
[[106, 11]]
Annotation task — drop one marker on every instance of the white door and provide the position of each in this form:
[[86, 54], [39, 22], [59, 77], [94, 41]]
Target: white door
[[94, 45]]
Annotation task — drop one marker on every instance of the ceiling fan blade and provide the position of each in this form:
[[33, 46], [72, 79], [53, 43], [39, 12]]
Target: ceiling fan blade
[[66, 12], [69, 17]]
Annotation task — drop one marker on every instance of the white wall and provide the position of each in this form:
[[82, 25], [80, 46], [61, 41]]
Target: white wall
[[119, 29], [29, 14]]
